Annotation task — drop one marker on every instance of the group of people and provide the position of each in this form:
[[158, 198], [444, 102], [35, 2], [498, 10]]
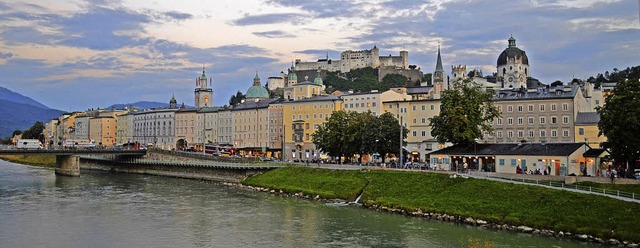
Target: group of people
[[546, 171]]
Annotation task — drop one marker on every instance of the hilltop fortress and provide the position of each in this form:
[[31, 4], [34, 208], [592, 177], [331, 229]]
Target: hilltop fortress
[[350, 60]]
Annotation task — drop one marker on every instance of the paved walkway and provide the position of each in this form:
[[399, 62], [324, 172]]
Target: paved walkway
[[552, 187]]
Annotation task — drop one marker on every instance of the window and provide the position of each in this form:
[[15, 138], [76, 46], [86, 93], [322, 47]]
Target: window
[[565, 119], [554, 133], [501, 161], [520, 121], [510, 121], [581, 131], [530, 108], [432, 107], [499, 134], [565, 133], [530, 133], [415, 133], [520, 134], [510, 134], [553, 107], [424, 107], [424, 120], [565, 107], [541, 107], [554, 120], [520, 108], [499, 121], [424, 133], [509, 108], [543, 133], [513, 162], [543, 120], [414, 108], [530, 120], [373, 104]]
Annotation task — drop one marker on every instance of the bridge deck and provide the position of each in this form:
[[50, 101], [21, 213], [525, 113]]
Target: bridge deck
[[70, 151]]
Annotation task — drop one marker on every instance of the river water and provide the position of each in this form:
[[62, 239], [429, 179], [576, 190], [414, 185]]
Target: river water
[[100, 209]]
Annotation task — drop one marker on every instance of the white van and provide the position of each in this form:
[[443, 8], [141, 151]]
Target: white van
[[29, 144]]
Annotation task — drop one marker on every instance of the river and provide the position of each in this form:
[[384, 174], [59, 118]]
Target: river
[[100, 209]]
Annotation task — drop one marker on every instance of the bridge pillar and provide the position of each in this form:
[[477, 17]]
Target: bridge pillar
[[68, 165]]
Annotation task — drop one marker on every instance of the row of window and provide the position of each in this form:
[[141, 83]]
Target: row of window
[[315, 106], [530, 120], [531, 134], [360, 105], [315, 116], [530, 107]]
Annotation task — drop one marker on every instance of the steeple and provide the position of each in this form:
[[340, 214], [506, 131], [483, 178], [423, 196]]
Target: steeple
[[256, 80], [439, 61]]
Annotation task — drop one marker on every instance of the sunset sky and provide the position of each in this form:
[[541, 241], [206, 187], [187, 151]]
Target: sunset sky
[[74, 55]]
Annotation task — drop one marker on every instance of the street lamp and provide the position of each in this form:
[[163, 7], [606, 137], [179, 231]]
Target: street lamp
[[475, 154]]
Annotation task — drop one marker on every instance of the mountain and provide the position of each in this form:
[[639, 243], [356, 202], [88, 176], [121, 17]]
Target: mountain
[[8, 95], [142, 105], [20, 112]]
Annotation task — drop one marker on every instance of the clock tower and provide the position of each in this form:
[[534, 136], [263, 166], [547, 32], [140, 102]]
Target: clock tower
[[203, 94]]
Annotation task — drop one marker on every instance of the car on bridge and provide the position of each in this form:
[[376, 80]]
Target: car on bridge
[[29, 144]]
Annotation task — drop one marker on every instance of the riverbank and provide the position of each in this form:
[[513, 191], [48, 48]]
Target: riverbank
[[474, 201], [38, 160]]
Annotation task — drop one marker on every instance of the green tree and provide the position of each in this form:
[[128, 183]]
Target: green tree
[[236, 99], [16, 132], [34, 132], [426, 78], [465, 113], [331, 137], [620, 121], [393, 80], [349, 133]]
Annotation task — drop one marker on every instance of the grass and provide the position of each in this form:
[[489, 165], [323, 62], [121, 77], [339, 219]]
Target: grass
[[326, 183], [497, 202], [39, 160]]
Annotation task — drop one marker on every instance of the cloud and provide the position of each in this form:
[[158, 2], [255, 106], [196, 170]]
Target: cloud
[[274, 34], [101, 29], [5, 55], [292, 18], [175, 16]]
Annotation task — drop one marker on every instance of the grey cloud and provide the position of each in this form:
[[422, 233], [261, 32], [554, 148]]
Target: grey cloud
[[293, 18], [6, 55], [175, 15], [274, 34]]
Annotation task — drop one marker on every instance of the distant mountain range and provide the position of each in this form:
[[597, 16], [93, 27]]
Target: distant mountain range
[[142, 105], [19, 112]]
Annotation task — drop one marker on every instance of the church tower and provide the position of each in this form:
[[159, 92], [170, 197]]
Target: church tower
[[439, 80], [203, 94]]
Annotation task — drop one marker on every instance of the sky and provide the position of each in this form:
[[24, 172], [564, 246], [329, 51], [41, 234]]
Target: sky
[[74, 55]]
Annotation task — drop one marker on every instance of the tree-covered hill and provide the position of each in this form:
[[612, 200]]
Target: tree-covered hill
[[362, 80]]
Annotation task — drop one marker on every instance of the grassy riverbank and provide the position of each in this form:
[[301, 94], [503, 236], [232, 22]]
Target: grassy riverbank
[[39, 160], [497, 202]]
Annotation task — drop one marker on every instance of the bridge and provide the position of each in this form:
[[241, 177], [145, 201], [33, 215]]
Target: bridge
[[68, 160]]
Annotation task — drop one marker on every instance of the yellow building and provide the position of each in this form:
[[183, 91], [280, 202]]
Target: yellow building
[[275, 128], [251, 126], [586, 129], [301, 118], [186, 126], [102, 129], [414, 115]]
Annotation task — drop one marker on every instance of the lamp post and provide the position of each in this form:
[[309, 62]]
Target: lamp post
[[377, 148], [400, 154], [475, 155]]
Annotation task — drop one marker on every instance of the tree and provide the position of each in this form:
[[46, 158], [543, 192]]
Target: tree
[[557, 83], [393, 80], [34, 132], [349, 133], [620, 121], [16, 132], [465, 113], [426, 78], [236, 99]]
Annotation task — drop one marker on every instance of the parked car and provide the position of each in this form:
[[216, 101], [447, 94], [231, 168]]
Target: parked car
[[636, 173]]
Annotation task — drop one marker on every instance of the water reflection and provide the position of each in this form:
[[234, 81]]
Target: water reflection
[[100, 209]]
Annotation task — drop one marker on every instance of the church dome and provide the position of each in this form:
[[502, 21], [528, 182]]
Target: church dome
[[512, 52], [292, 76], [257, 91], [173, 100], [318, 79]]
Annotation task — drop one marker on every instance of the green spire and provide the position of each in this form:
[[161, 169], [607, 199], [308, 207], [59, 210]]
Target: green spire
[[203, 77], [439, 62]]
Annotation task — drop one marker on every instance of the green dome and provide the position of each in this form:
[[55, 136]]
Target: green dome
[[173, 100], [257, 91], [203, 77], [292, 76], [318, 79]]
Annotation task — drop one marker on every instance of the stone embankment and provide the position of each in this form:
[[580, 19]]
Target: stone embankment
[[448, 218]]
